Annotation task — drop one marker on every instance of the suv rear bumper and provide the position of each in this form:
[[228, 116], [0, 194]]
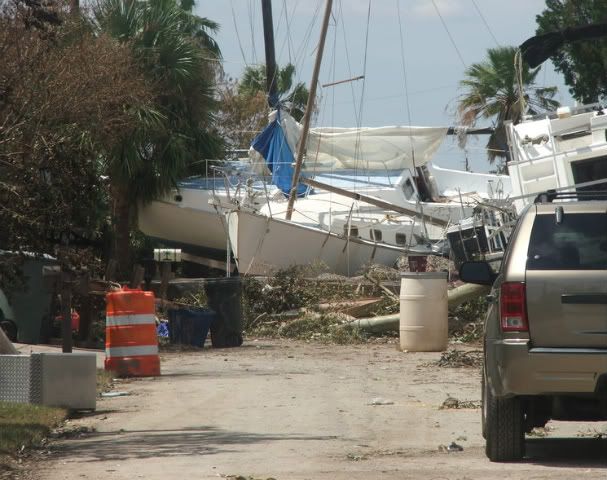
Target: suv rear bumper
[[520, 370]]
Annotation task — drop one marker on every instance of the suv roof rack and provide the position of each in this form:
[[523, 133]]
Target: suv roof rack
[[552, 195]]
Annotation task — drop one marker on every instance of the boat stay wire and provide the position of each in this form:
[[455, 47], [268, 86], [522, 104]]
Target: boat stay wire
[[459, 54], [251, 7], [405, 83], [348, 63], [244, 57], [364, 84], [484, 20]]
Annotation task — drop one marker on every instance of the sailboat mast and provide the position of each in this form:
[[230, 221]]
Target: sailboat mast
[[309, 109], [268, 37]]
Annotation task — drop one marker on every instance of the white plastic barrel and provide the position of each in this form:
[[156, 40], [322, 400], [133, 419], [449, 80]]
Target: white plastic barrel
[[423, 311]]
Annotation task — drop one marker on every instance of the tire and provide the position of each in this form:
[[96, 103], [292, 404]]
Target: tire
[[504, 429], [10, 329]]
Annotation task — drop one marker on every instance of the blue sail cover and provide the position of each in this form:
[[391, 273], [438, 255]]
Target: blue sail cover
[[274, 148]]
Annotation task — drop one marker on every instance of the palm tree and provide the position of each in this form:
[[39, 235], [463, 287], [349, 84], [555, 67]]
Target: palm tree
[[493, 92], [293, 97], [173, 48]]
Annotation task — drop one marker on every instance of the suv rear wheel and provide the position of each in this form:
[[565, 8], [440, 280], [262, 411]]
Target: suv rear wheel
[[504, 433]]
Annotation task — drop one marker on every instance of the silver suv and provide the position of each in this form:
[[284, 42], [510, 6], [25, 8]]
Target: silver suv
[[545, 336]]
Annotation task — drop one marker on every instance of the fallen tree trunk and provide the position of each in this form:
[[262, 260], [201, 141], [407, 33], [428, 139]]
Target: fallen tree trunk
[[6, 347], [382, 324], [390, 323], [465, 293]]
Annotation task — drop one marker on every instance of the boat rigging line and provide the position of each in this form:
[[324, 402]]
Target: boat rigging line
[[449, 34], [484, 20], [244, 57]]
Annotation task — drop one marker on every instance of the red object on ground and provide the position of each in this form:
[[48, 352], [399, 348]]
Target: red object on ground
[[75, 320]]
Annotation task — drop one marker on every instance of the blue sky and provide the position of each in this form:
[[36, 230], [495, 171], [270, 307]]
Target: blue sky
[[439, 39]]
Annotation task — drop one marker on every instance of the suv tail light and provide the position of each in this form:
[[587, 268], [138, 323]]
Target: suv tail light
[[513, 307]]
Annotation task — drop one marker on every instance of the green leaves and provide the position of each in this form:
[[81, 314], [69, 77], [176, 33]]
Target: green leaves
[[293, 97], [492, 92], [173, 47], [583, 63]]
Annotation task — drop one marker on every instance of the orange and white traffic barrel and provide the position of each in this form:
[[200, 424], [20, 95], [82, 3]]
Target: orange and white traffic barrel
[[131, 342]]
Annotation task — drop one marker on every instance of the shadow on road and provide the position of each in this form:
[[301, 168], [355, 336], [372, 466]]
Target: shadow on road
[[123, 445], [567, 452]]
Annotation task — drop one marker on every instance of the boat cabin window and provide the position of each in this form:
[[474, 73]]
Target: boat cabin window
[[375, 235], [408, 189], [353, 230], [401, 239]]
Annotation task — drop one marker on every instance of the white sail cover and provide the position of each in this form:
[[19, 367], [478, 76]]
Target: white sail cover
[[381, 148]]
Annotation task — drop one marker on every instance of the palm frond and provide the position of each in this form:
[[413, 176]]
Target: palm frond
[[491, 92]]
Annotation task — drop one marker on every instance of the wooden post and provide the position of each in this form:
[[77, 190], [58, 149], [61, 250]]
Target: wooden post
[[165, 274], [110, 271], [83, 287], [309, 108], [137, 278], [66, 312]]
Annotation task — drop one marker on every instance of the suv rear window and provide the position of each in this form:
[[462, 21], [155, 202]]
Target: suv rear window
[[578, 243]]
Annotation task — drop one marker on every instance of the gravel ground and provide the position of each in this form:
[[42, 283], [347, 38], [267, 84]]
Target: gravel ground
[[293, 410]]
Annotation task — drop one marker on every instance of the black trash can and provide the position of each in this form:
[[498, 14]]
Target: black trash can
[[224, 297], [190, 326]]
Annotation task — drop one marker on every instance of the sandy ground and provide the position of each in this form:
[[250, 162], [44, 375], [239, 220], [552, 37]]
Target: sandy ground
[[291, 410]]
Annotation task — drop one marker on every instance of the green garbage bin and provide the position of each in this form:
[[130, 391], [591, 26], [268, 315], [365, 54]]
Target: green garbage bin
[[224, 297]]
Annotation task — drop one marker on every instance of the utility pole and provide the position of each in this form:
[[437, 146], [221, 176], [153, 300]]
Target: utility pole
[[309, 108], [268, 35]]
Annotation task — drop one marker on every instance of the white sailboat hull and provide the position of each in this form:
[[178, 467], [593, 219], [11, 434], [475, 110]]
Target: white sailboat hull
[[261, 245], [201, 227]]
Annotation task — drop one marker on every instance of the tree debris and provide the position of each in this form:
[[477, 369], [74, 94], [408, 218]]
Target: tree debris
[[459, 358], [454, 403]]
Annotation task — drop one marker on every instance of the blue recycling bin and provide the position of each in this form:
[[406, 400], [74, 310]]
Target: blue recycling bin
[[190, 326]]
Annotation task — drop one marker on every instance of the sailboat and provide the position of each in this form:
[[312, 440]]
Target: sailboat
[[262, 241], [412, 200]]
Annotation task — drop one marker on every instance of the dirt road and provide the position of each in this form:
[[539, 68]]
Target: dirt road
[[292, 410]]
